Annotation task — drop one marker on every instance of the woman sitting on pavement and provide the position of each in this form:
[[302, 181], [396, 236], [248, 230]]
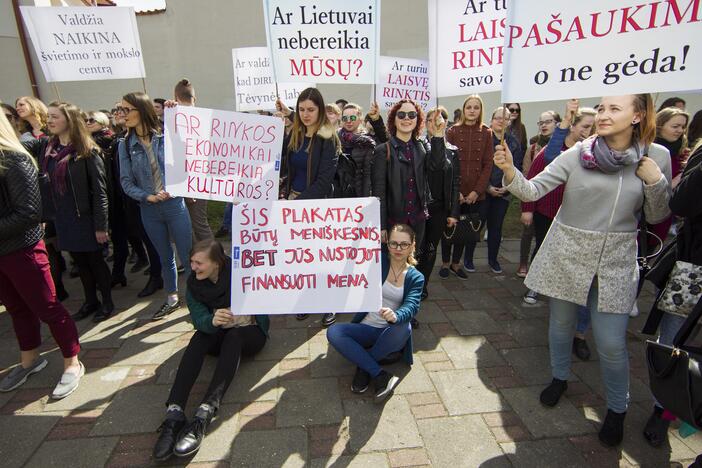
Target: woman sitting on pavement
[[219, 333], [373, 336]]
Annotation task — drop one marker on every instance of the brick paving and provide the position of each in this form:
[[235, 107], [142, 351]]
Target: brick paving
[[470, 399]]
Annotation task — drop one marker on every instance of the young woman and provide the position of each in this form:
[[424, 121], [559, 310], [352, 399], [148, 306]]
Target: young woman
[[333, 114], [142, 175], [373, 336], [310, 156], [444, 186], [34, 116], [686, 204], [79, 191], [12, 117], [671, 129], [26, 287], [218, 333], [518, 131], [547, 124], [358, 145], [589, 254], [474, 142]]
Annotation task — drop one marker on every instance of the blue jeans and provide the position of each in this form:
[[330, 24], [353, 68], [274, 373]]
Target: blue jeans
[[610, 336], [492, 212], [227, 219], [352, 339], [583, 320], [165, 221]]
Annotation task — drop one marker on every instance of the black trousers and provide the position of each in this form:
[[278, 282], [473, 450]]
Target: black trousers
[[123, 235], [94, 275], [541, 226], [432, 237], [452, 252], [229, 345], [133, 218]]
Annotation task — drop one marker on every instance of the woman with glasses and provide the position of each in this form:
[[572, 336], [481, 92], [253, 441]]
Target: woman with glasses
[[372, 336], [34, 115], [589, 255], [142, 175], [356, 144], [474, 142], [12, 117], [547, 124]]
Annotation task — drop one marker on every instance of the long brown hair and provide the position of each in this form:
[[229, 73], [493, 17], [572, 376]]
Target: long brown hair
[[299, 130], [78, 133], [404, 228], [214, 251], [645, 130], [149, 120]]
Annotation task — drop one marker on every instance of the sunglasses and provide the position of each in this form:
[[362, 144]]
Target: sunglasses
[[10, 116], [399, 245], [349, 118], [124, 110], [90, 121], [402, 115], [513, 110]]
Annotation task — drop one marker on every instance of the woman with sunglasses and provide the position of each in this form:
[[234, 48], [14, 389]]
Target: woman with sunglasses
[[358, 145], [474, 142], [517, 130], [372, 336], [12, 117], [589, 255], [142, 175], [34, 116]]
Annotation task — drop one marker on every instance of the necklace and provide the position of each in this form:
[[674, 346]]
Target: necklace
[[395, 274]]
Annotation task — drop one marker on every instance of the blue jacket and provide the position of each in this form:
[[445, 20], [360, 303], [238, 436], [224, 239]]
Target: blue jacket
[[412, 296], [555, 144], [135, 169]]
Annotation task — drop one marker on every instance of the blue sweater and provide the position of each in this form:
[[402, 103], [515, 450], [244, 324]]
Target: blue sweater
[[411, 298]]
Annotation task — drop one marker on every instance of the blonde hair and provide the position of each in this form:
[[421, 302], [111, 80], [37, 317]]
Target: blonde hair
[[333, 108], [406, 229], [645, 130], [9, 141], [482, 109], [667, 113], [79, 135], [38, 109], [99, 117]]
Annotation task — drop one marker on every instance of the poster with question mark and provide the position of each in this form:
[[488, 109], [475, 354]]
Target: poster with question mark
[[221, 155], [328, 41]]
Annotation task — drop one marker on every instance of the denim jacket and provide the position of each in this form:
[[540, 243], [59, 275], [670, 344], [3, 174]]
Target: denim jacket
[[135, 169]]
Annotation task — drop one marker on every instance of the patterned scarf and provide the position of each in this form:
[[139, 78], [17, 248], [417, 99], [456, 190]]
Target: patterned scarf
[[595, 154], [350, 140], [61, 154]]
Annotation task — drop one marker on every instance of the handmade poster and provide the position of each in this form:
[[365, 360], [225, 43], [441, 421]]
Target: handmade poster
[[222, 155], [306, 256]]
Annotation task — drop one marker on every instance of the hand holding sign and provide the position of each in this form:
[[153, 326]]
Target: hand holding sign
[[222, 317], [439, 124], [503, 160], [571, 109], [374, 112]]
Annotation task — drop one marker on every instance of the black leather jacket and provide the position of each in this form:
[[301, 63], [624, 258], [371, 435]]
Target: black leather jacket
[[20, 203], [447, 180], [86, 182], [391, 172]]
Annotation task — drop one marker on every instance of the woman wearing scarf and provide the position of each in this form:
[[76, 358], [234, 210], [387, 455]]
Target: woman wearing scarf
[[219, 333], [589, 254], [358, 146], [78, 188]]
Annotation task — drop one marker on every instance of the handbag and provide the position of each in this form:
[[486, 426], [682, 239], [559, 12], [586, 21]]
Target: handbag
[[675, 372], [48, 205], [467, 229], [683, 290]]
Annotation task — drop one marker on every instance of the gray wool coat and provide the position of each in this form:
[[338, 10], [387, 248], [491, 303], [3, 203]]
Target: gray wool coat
[[595, 230]]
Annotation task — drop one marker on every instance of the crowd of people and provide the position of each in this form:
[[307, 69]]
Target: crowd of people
[[75, 181]]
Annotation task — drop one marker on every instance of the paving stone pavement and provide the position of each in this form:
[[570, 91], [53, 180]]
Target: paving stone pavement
[[470, 399]]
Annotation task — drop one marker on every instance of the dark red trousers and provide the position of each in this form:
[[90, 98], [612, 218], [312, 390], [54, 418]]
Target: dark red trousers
[[28, 293]]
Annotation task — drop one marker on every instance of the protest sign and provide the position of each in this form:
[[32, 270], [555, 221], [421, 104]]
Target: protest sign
[[254, 83], [465, 45], [403, 78], [85, 43], [597, 48], [222, 155], [328, 41], [306, 256]]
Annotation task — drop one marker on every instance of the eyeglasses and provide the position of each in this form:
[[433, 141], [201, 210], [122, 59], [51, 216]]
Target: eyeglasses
[[402, 115], [513, 110], [124, 110], [90, 121], [544, 122], [349, 118], [399, 245]]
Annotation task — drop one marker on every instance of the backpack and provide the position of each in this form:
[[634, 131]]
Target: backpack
[[343, 185]]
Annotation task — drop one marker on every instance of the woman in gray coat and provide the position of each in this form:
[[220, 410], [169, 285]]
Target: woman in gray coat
[[589, 255]]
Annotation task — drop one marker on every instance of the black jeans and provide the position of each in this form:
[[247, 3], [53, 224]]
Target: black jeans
[[541, 226], [94, 275], [433, 234], [229, 345], [133, 216], [492, 212], [452, 252], [122, 237]]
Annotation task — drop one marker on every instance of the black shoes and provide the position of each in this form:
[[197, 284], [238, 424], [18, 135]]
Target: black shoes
[[328, 319], [154, 284], [656, 430], [165, 310], [581, 349], [104, 312], [384, 385], [553, 392], [191, 437], [414, 323], [361, 379], [169, 430], [612, 431], [119, 280], [86, 310], [139, 265], [301, 316]]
